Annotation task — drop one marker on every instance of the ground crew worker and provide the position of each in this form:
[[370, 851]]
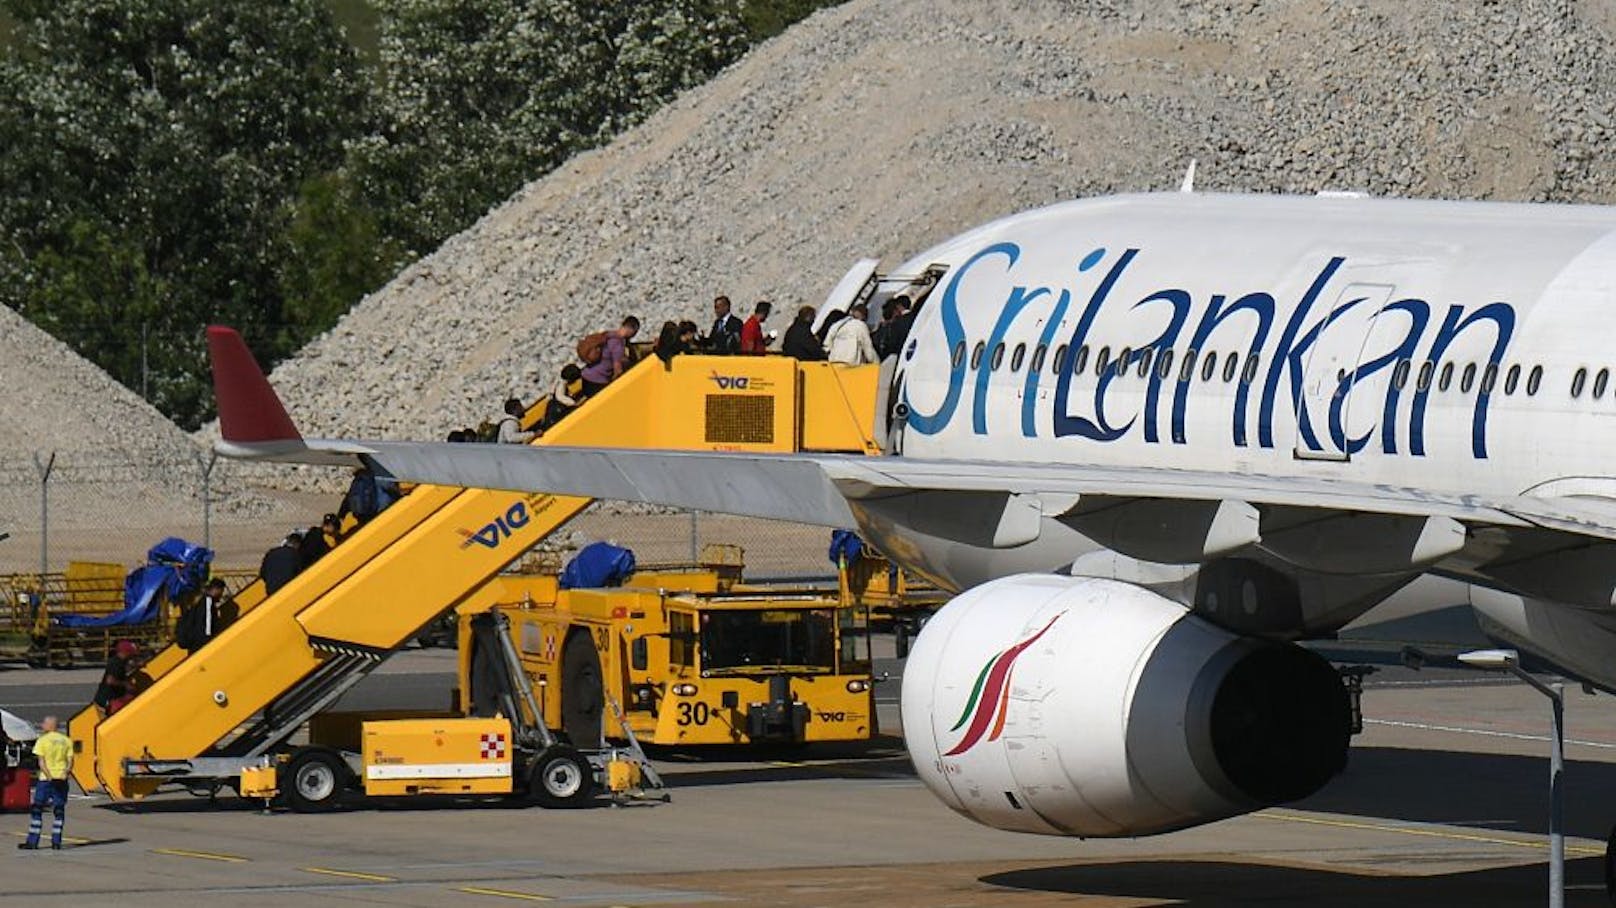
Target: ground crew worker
[[55, 753]]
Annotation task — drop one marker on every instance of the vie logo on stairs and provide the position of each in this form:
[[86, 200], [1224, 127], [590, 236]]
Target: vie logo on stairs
[[493, 534]]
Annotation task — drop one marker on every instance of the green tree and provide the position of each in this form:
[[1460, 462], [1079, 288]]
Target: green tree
[[478, 99], [338, 255], [172, 137], [766, 18]]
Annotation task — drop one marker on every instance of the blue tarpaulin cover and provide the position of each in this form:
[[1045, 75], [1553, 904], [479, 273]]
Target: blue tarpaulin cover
[[845, 544], [173, 568], [596, 565]]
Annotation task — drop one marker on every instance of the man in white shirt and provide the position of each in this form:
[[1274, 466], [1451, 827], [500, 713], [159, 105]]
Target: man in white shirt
[[848, 341], [510, 425]]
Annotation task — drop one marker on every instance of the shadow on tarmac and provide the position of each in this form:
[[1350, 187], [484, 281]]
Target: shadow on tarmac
[[1219, 884], [1498, 792]]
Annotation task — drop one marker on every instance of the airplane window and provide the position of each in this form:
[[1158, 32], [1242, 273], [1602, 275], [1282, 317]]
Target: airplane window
[[1122, 360], [1512, 379], [1037, 358], [1489, 378], [1164, 364], [1060, 359], [909, 350], [959, 354], [1400, 374], [1250, 375], [1600, 381], [1018, 357], [1187, 371], [1447, 377], [976, 355], [998, 358], [1209, 366], [1144, 361], [1533, 380], [1230, 365], [1080, 359], [1468, 379], [1427, 369], [1101, 360], [1577, 381]]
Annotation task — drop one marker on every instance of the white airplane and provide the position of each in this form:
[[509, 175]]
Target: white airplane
[[1156, 438]]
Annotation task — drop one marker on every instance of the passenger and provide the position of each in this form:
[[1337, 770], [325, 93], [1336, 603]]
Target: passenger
[[848, 341], [456, 436], [565, 396], [898, 334], [725, 337], [510, 425], [367, 495], [667, 343], [884, 337], [687, 337], [331, 529], [753, 340], [613, 359], [282, 563], [55, 753], [313, 546], [122, 678], [800, 342], [205, 618]]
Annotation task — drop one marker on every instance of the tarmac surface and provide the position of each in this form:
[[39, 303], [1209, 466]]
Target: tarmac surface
[[1444, 802]]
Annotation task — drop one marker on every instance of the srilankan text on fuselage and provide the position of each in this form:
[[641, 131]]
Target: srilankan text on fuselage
[[1283, 330]]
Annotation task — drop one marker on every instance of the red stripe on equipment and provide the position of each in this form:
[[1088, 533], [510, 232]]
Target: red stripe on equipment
[[249, 411]]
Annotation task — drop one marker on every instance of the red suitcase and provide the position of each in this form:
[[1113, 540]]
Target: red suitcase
[[16, 788]]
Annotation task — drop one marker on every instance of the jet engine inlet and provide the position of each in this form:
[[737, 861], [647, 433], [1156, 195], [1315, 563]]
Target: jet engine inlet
[[1080, 706]]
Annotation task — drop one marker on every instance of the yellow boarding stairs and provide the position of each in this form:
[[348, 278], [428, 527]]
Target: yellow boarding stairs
[[237, 701]]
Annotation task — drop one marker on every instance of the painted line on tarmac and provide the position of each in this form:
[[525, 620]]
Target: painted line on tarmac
[[516, 862], [1427, 832], [506, 894], [1485, 732], [201, 855], [351, 874]]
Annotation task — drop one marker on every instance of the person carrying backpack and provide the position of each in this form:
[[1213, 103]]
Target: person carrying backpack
[[565, 396], [510, 425], [614, 356]]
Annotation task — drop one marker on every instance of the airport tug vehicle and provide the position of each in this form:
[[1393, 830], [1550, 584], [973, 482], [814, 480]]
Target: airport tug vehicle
[[693, 657]]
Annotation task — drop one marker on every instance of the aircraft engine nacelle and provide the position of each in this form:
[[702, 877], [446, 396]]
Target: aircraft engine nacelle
[[1088, 707]]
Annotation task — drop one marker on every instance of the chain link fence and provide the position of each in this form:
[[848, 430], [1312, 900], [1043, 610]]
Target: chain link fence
[[61, 507]]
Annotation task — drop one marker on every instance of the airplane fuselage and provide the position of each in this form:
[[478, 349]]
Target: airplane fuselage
[[1449, 346]]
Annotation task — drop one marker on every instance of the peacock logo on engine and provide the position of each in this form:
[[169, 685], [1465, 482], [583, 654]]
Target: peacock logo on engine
[[990, 696]]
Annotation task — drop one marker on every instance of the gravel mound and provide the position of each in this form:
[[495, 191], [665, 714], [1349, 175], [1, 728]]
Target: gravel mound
[[880, 128], [118, 462]]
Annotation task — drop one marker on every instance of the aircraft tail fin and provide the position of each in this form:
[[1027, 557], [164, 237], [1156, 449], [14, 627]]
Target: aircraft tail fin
[[249, 410], [253, 423]]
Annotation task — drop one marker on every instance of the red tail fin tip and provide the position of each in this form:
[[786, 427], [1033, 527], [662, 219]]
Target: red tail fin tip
[[249, 411]]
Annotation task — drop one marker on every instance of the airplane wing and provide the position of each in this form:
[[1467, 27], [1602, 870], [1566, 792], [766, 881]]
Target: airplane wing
[[1007, 499]]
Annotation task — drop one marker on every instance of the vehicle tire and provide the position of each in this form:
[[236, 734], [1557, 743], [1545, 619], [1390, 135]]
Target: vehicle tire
[[561, 777], [314, 780], [583, 700]]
